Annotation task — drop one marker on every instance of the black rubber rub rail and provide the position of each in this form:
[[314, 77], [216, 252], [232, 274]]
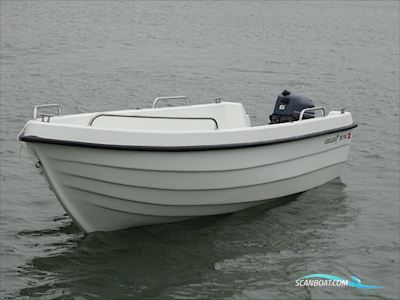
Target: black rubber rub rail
[[40, 140]]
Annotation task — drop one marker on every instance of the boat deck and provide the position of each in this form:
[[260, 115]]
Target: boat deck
[[224, 115]]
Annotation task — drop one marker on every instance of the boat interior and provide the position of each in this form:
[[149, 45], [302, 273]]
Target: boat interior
[[220, 115]]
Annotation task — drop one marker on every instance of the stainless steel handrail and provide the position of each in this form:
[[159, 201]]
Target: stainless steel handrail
[[151, 117], [311, 109], [171, 98], [37, 107]]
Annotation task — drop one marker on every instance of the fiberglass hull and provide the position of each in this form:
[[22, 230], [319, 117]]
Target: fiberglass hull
[[112, 189]]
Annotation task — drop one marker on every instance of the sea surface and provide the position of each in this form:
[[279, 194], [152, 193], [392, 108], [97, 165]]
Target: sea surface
[[111, 55]]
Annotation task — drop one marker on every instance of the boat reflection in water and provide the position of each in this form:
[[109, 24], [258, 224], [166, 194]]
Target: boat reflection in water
[[193, 256]]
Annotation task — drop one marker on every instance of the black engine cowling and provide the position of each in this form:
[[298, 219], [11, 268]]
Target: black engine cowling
[[288, 107]]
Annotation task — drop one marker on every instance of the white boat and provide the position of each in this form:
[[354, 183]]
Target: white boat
[[119, 169]]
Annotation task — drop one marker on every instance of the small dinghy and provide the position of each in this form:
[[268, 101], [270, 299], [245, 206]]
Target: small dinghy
[[119, 169]]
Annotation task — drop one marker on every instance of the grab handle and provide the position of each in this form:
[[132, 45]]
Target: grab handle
[[311, 109], [151, 117], [171, 98]]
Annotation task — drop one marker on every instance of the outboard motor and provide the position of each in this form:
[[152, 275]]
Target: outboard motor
[[288, 107]]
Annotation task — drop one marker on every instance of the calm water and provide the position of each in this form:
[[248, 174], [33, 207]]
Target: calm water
[[93, 56]]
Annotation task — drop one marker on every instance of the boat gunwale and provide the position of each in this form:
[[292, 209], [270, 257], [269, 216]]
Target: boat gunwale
[[184, 148]]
